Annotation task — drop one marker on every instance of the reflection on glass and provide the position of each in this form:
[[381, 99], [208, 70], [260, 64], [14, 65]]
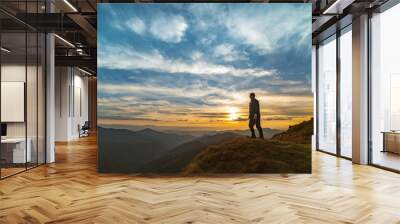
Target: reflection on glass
[[327, 96], [394, 102], [13, 86], [22, 91]]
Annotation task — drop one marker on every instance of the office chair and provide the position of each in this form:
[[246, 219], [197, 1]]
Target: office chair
[[84, 130]]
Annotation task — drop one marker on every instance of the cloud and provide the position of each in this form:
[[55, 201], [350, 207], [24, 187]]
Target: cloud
[[128, 58], [265, 29], [241, 119], [271, 30], [161, 26], [228, 53], [128, 117], [112, 14], [154, 98], [137, 90], [137, 25], [168, 28], [207, 40], [276, 85], [196, 55], [278, 118], [212, 114]]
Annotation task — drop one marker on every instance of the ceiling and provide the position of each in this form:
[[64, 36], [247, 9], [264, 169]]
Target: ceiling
[[331, 15]]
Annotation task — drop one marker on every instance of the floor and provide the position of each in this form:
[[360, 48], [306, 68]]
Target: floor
[[71, 191], [387, 159], [5, 172]]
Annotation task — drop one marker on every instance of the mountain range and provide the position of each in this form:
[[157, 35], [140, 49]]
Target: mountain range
[[176, 159], [122, 150], [268, 132]]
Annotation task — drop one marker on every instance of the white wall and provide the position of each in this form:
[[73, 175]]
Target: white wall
[[62, 81], [14, 73], [80, 104], [71, 102], [33, 127]]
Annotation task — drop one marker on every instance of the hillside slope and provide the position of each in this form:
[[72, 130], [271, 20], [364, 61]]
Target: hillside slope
[[300, 133], [246, 155], [176, 159], [122, 150], [268, 132]]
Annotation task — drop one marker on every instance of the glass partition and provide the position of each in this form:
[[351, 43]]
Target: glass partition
[[22, 87], [346, 93], [13, 94], [385, 89], [327, 95]]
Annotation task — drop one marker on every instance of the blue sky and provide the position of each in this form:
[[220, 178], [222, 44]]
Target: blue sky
[[195, 64]]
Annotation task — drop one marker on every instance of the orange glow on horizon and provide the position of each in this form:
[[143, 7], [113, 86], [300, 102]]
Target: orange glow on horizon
[[219, 125], [277, 112]]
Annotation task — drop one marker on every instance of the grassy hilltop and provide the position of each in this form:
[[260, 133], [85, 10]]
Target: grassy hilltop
[[287, 152], [300, 133]]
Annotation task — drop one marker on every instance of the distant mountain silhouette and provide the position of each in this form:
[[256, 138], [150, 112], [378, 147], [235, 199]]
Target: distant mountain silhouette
[[268, 132], [176, 159], [148, 131], [246, 155], [299, 133], [121, 150], [167, 140]]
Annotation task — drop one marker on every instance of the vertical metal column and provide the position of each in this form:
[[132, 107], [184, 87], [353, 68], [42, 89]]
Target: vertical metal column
[[338, 78], [26, 86], [0, 93], [317, 97]]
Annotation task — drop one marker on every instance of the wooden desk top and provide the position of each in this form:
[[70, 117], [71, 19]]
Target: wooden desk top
[[13, 140], [391, 132]]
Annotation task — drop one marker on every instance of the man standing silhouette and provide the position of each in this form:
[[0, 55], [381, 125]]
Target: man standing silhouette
[[254, 116]]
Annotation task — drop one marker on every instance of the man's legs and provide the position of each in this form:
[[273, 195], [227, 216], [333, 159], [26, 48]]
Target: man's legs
[[259, 128], [251, 126]]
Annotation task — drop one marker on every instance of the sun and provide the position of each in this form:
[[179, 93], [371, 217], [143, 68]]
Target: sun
[[233, 113]]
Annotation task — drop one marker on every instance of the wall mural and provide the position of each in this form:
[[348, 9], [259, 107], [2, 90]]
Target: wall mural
[[192, 89]]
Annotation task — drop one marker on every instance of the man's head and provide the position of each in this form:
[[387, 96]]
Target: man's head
[[252, 96]]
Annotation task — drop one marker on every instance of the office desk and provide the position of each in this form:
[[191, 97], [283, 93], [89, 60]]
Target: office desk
[[391, 141], [13, 150]]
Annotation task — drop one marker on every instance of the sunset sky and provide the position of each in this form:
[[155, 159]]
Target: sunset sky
[[177, 66]]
